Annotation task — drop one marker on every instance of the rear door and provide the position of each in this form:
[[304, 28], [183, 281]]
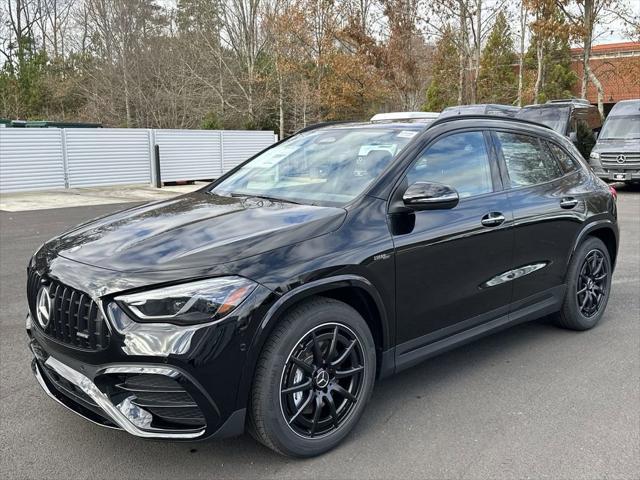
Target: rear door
[[543, 185]]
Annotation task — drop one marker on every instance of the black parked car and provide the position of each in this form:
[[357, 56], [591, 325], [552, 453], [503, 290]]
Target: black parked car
[[275, 297], [575, 118]]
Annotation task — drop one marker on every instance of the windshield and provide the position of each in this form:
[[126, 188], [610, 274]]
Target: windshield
[[621, 127], [324, 166], [556, 118]]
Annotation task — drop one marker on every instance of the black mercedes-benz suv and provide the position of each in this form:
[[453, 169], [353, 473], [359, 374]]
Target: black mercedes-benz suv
[[274, 298]]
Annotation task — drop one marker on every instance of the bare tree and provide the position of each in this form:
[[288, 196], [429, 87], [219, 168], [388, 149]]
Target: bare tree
[[523, 33], [583, 15], [245, 37]]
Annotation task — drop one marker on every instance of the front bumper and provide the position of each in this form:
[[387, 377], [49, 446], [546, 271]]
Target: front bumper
[[110, 415], [207, 367]]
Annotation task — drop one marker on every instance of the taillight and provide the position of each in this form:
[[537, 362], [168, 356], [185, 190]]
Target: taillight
[[614, 194]]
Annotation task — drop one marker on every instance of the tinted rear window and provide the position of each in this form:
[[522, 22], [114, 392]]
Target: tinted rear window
[[564, 159], [556, 118], [528, 160]]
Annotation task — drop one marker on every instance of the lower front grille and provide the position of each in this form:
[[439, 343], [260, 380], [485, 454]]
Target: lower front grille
[[165, 398], [74, 318]]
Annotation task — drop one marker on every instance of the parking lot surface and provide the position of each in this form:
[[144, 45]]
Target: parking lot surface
[[530, 402], [84, 197]]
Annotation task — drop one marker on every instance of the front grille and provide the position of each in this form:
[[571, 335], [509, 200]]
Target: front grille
[[75, 319], [610, 160]]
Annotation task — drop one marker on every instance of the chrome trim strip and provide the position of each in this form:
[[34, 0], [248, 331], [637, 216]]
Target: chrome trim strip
[[514, 274], [44, 386], [88, 387], [166, 371]]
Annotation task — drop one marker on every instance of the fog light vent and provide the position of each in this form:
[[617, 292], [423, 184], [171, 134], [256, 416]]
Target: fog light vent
[[165, 399]]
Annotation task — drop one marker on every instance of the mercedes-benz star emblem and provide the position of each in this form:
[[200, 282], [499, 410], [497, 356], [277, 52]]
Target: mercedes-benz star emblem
[[322, 378], [621, 158], [43, 307]]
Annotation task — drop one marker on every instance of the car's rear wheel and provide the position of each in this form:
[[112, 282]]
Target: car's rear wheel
[[588, 286], [313, 379]]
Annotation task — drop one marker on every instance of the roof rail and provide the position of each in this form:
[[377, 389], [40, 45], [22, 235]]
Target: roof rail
[[476, 116], [570, 100], [481, 109]]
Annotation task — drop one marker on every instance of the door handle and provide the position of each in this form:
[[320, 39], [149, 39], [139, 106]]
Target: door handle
[[568, 202], [492, 219]]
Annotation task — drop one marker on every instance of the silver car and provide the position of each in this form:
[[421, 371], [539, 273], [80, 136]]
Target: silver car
[[616, 155]]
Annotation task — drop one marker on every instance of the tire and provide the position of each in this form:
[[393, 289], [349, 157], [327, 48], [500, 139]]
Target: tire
[[276, 418], [574, 314]]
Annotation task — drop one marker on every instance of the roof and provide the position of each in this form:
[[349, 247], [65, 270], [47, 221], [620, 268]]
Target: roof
[[422, 126], [576, 103], [475, 116], [393, 116], [610, 48], [481, 108], [626, 107]]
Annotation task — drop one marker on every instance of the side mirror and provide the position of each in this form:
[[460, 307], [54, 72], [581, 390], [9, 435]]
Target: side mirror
[[430, 196], [573, 136], [596, 134]]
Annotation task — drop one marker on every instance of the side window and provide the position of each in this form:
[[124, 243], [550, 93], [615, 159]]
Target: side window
[[459, 160], [564, 159], [528, 160], [585, 139]]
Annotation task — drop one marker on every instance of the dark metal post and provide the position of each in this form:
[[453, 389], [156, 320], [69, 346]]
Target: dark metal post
[[156, 159]]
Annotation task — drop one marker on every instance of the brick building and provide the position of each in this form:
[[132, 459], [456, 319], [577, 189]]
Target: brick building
[[617, 66]]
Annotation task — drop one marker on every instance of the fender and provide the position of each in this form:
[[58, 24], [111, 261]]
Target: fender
[[297, 295], [596, 225]]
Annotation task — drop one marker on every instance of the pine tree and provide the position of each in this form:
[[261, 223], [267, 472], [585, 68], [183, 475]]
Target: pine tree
[[558, 78], [497, 79], [442, 91]]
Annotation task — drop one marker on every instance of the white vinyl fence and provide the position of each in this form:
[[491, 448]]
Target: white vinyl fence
[[31, 159], [45, 158]]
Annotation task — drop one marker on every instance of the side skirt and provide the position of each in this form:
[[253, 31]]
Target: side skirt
[[530, 308]]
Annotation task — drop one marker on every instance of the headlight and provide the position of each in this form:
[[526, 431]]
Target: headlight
[[189, 303], [594, 155]]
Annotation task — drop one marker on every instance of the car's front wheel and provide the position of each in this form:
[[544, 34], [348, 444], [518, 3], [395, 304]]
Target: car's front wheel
[[313, 379]]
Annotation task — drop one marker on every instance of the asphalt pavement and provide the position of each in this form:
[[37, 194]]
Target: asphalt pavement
[[534, 401]]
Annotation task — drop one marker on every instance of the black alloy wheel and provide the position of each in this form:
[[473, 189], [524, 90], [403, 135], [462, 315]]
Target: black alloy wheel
[[588, 286], [322, 380], [313, 379], [592, 283]]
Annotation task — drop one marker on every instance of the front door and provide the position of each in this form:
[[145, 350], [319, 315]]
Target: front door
[[446, 259]]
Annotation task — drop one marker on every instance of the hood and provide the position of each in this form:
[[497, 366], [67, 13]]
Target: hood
[[617, 145], [195, 230]]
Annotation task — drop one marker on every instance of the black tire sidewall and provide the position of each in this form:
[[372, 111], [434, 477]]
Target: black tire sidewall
[[304, 320]]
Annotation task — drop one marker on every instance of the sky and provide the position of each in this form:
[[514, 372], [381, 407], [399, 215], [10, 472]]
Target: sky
[[616, 30]]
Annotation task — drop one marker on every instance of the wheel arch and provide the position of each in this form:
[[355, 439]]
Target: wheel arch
[[604, 230], [354, 290]]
